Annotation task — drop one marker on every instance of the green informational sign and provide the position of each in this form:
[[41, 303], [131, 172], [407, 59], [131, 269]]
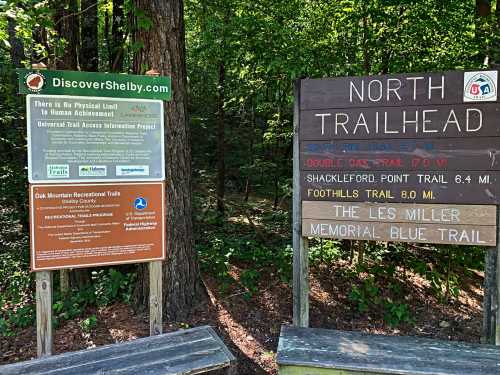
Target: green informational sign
[[64, 82]]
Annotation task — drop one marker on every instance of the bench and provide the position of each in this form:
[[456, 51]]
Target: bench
[[311, 351], [190, 351]]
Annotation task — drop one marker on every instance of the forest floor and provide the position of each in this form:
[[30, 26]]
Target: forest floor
[[250, 325]]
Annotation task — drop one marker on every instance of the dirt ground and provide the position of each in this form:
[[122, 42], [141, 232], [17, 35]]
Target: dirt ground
[[250, 326]]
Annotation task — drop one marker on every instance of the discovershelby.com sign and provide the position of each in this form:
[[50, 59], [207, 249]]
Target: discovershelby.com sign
[[93, 84]]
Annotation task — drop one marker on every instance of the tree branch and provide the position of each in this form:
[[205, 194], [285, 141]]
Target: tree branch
[[76, 13]]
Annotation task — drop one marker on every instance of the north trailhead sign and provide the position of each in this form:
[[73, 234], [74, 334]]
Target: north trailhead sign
[[410, 157]]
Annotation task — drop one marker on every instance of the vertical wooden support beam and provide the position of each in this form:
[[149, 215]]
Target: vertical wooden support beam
[[64, 281], [300, 245], [496, 292], [155, 280], [44, 334], [155, 298], [488, 334]]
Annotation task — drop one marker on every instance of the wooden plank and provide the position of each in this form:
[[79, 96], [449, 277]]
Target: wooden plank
[[401, 212], [354, 351], [417, 187], [302, 370], [103, 353], [401, 232], [470, 120], [329, 92], [454, 154], [44, 331], [183, 352], [300, 251], [155, 298]]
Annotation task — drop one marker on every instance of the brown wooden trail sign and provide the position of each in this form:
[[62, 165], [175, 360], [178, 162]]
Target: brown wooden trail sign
[[405, 158], [398, 222], [419, 138]]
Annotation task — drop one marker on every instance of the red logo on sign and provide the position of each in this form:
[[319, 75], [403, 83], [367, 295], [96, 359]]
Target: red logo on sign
[[474, 89]]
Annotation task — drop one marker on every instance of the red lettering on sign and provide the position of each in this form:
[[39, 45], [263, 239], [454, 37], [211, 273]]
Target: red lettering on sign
[[363, 163], [389, 162], [324, 163]]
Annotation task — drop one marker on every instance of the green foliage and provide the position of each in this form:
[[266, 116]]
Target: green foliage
[[21, 317], [397, 313], [88, 324], [324, 252], [112, 285], [249, 279], [16, 282], [364, 295], [224, 243], [369, 295]]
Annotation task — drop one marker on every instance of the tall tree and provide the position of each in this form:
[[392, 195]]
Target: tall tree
[[161, 30], [89, 58], [221, 120], [66, 22], [16, 44], [117, 37]]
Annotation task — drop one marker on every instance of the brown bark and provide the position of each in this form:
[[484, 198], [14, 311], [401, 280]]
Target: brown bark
[[221, 143], [495, 54], [164, 50], [17, 155], [16, 46], [39, 37], [107, 36], [483, 8], [89, 58], [67, 27], [117, 37]]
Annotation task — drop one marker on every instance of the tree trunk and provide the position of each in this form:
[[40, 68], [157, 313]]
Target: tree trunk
[[483, 8], [89, 60], [495, 50], [164, 50], [39, 37], [16, 45], [117, 37], [366, 50], [17, 155], [67, 27], [221, 144]]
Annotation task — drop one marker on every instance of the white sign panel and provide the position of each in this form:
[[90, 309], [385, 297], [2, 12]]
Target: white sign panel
[[90, 139]]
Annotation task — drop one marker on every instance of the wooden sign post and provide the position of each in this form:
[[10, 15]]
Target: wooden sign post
[[300, 243], [44, 287], [402, 158], [44, 330], [155, 280]]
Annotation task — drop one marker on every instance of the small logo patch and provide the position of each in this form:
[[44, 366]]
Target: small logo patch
[[57, 171], [480, 86], [140, 203], [92, 170], [132, 170], [34, 81]]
